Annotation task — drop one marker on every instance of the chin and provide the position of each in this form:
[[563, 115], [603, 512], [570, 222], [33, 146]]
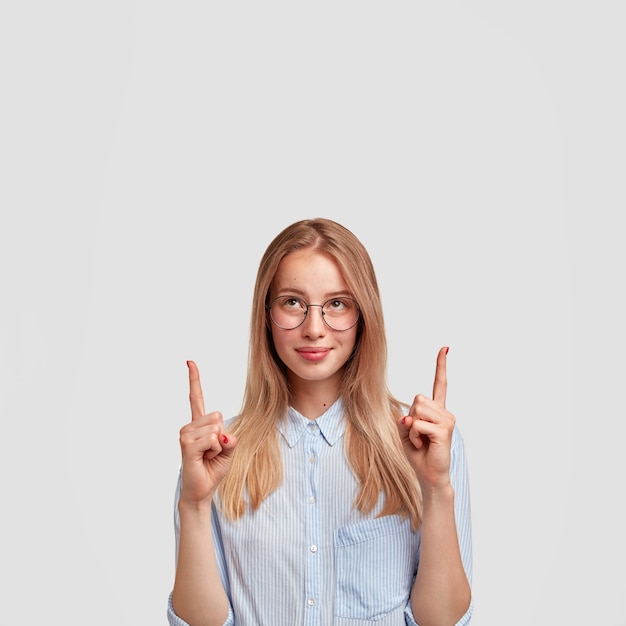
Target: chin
[[316, 374]]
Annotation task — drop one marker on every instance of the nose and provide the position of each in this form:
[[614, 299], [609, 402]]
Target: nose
[[314, 323]]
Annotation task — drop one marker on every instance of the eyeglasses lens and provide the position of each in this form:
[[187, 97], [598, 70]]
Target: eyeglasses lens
[[289, 312]]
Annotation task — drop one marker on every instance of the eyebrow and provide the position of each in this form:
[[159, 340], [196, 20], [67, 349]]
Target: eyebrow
[[298, 292]]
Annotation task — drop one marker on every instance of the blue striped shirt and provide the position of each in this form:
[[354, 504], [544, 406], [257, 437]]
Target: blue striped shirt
[[308, 556]]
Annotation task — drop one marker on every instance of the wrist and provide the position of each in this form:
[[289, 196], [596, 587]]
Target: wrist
[[437, 494], [191, 508]]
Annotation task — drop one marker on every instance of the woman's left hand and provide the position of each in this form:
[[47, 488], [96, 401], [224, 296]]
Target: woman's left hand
[[426, 432]]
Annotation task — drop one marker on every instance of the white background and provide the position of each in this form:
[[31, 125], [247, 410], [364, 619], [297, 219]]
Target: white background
[[150, 151]]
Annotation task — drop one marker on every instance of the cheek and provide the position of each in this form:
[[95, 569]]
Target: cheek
[[279, 341], [354, 334], [350, 342]]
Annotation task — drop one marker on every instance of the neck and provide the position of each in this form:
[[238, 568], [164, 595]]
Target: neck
[[313, 398]]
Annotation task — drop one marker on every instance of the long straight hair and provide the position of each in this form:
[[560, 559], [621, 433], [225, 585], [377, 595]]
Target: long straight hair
[[372, 443]]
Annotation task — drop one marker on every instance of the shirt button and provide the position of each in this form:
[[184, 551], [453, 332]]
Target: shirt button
[[314, 549], [312, 500], [311, 601], [312, 459]]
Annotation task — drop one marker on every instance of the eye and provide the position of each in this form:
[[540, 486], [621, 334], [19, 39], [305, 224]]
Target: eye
[[337, 305], [291, 303]]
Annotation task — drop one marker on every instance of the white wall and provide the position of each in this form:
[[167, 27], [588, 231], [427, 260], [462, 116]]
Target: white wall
[[150, 151]]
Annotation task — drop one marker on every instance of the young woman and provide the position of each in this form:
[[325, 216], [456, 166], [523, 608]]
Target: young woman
[[326, 500]]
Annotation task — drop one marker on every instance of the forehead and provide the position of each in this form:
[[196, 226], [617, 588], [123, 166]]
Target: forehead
[[309, 272]]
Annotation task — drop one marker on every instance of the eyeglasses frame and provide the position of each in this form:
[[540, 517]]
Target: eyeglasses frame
[[268, 308]]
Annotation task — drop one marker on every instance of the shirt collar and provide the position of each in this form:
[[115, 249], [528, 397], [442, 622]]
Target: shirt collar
[[330, 423]]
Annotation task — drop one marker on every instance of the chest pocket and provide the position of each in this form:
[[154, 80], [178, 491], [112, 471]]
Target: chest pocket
[[376, 561]]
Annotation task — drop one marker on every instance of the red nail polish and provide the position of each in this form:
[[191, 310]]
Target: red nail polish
[[447, 350], [187, 363], [224, 439], [404, 419]]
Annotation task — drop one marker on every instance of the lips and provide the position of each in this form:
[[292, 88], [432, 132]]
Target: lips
[[313, 354]]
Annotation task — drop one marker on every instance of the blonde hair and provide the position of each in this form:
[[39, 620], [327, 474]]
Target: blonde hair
[[372, 443]]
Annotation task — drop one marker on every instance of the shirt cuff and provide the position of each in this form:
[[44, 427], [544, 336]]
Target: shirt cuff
[[410, 620], [174, 620]]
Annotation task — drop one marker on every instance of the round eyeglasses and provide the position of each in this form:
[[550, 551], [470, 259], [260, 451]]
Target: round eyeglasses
[[289, 312]]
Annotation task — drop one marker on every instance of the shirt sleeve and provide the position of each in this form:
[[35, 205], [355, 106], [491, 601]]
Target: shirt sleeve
[[462, 515], [410, 621], [173, 619]]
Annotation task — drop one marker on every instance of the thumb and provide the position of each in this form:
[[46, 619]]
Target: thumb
[[229, 443], [404, 426]]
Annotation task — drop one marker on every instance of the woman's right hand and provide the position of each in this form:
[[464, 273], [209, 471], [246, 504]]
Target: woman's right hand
[[207, 450]]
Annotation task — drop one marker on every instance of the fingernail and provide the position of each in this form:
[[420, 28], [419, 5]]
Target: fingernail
[[224, 439], [448, 348], [404, 419], [187, 363]]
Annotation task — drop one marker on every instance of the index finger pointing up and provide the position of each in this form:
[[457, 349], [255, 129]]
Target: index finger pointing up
[[196, 399], [440, 385]]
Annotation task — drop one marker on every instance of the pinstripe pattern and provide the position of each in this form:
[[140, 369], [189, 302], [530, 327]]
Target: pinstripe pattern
[[307, 556]]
